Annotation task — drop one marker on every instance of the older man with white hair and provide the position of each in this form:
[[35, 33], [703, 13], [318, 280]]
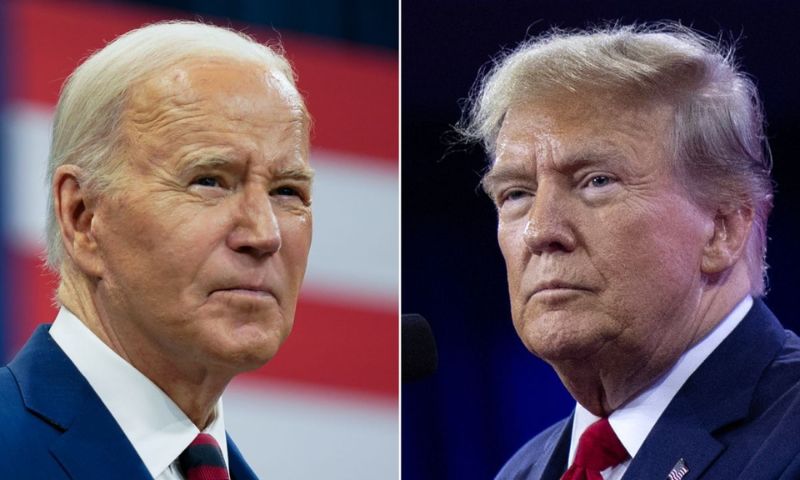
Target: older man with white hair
[[632, 185], [180, 226]]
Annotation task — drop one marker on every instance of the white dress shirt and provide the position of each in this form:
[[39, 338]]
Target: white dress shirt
[[633, 422], [158, 430]]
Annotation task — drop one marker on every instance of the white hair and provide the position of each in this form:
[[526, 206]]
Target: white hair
[[717, 140], [86, 129]]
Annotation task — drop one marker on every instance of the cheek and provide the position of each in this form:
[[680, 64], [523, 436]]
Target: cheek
[[510, 237], [188, 238], [296, 231], [166, 245], [123, 235], [649, 254]]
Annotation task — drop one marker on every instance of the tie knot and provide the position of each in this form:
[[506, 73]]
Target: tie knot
[[600, 448], [202, 460]]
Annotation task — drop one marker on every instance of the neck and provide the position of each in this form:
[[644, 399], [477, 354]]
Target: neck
[[194, 388], [614, 376]]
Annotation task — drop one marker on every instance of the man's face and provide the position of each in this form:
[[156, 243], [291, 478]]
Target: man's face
[[602, 245], [205, 239]]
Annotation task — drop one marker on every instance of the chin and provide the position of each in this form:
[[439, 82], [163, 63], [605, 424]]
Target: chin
[[561, 352], [248, 349], [245, 359], [560, 336]]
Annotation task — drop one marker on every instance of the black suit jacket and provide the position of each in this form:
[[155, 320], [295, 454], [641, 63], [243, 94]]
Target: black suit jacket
[[54, 426], [737, 416]]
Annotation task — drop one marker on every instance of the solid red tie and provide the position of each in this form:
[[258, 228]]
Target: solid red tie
[[202, 460], [598, 449]]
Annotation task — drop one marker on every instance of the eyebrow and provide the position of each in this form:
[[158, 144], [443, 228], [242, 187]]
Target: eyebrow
[[302, 173], [505, 173], [588, 157], [207, 162], [570, 163], [205, 159]]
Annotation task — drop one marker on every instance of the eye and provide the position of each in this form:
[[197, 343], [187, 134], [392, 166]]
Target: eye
[[511, 197], [287, 191], [292, 193], [212, 182], [599, 181]]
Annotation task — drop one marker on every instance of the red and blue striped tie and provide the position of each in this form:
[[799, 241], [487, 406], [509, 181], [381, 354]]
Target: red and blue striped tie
[[202, 460]]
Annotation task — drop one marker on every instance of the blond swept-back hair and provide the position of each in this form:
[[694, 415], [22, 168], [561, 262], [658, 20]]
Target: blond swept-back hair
[[86, 128], [718, 145]]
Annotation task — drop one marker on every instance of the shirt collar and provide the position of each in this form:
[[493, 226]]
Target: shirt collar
[[156, 427], [632, 422]]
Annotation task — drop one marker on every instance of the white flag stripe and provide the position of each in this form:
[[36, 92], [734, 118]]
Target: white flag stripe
[[26, 143], [286, 432], [354, 252], [678, 471], [355, 244]]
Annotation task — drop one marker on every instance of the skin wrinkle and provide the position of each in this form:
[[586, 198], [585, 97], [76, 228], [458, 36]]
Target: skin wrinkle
[[635, 246], [179, 106], [177, 117], [171, 260]]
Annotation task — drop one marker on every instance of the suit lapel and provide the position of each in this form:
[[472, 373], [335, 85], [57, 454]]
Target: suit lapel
[[557, 453], [548, 452], [669, 444], [717, 394], [95, 430], [54, 390], [239, 469]]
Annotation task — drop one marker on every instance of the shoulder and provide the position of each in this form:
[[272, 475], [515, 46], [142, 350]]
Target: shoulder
[[762, 443], [16, 421], [11, 399], [26, 436], [22, 435], [535, 454], [780, 381], [768, 442], [759, 360]]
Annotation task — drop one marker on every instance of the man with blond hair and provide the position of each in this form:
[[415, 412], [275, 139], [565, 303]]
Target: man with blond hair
[[180, 226], [631, 177]]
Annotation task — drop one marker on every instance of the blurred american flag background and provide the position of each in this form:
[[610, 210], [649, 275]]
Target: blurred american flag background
[[326, 406]]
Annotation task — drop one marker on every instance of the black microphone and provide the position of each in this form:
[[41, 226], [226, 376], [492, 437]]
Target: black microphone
[[418, 348]]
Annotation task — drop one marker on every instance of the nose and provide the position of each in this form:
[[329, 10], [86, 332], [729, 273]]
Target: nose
[[256, 230], [549, 227]]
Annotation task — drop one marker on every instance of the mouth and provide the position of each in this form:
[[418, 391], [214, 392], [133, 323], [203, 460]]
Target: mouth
[[557, 287], [245, 291]]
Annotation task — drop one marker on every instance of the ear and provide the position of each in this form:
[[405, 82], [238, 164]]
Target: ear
[[74, 211], [729, 239]]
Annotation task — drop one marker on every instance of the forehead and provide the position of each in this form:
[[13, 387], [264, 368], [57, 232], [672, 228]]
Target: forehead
[[567, 126], [585, 119], [216, 87], [198, 107]]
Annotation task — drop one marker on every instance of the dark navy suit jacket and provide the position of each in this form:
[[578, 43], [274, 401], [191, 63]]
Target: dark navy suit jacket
[[53, 426], [737, 416]]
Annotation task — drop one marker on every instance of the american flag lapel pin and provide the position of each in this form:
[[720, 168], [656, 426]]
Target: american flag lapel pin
[[678, 471]]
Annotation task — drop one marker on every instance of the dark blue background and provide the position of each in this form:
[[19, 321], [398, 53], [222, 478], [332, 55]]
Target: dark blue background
[[490, 395], [359, 21]]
